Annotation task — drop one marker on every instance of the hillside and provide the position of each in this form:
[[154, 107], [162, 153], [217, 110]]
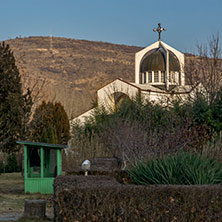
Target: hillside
[[71, 71]]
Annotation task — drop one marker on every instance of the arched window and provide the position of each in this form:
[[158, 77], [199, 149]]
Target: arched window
[[162, 79], [144, 78], [150, 79], [174, 77], [156, 76], [119, 99]]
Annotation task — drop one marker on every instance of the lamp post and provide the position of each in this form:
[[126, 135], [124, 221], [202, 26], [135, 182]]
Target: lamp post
[[86, 166]]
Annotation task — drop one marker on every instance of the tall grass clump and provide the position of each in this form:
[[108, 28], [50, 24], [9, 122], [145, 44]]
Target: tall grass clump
[[183, 168], [85, 144], [213, 147]]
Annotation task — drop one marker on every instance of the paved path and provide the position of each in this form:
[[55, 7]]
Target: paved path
[[10, 217], [16, 216]]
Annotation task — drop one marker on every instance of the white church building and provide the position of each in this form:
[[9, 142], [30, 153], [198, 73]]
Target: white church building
[[159, 77]]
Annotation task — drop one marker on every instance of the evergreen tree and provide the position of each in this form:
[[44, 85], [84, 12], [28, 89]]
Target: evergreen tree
[[50, 124], [12, 102]]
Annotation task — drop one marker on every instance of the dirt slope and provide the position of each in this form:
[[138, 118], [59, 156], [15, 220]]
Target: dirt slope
[[72, 70]]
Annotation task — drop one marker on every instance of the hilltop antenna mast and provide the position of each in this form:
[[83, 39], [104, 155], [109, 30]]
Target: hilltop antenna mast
[[50, 47]]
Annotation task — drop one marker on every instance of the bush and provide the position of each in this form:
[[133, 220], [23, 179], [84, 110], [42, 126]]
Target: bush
[[184, 168], [50, 124], [141, 130], [2, 167], [101, 198], [12, 164], [138, 129]]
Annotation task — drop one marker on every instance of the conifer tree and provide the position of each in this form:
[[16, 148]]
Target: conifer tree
[[50, 124], [12, 102]]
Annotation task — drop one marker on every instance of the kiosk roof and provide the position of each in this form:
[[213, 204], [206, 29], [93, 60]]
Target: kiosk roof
[[36, 144]]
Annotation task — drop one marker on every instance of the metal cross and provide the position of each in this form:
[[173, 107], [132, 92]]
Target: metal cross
[[159, 30]]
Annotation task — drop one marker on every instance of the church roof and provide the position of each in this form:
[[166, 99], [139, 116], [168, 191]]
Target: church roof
[[183, 89], [175, 89], [148, 87]]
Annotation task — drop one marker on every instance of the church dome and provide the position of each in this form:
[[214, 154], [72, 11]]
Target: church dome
[[155, 61]]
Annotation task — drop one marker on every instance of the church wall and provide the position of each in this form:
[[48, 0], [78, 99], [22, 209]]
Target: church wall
[[155, 97], [165, 98], [83, 117], [106, 94]]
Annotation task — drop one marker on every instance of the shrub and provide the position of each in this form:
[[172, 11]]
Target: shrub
[[183, 168], [101, 198], [50, 124], [139, 129], [1, 167], [12, 164]]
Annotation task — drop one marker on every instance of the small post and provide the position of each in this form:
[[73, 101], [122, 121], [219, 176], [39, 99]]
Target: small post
[[25, 161], [42, 162], [59, 161], [35, 209]]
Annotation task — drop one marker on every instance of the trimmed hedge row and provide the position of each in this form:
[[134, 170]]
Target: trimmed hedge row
[[121, 176], [102, 198]]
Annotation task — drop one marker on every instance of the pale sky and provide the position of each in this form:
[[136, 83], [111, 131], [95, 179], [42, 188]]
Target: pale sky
[[128, 22]]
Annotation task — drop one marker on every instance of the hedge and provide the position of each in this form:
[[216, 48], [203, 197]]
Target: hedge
[[102, 198]]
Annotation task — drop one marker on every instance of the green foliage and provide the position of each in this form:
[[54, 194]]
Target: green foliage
[[216, 108], [12, 164], [143, 112], [184, 168], [209, 114], [14, 106], [2, 167], [140, 128], [50, 124]]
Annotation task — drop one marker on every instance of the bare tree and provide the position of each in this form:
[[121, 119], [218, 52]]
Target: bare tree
[[206, 66], [33, 93], [31, 84], [130, 142]]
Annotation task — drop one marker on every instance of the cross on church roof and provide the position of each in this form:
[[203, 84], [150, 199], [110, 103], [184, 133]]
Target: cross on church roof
[[159, 30]]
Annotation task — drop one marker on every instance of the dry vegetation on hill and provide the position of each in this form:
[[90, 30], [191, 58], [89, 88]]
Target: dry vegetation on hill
[[72, 70]]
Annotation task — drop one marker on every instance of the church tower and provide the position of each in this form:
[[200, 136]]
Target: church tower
[[160, 65]]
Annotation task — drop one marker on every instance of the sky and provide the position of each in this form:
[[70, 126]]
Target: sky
[[128, 22]]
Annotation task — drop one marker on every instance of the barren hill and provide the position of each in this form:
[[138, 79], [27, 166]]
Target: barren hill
[[72, 70]]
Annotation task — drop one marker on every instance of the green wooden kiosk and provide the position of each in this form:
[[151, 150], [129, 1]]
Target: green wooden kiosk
[[42, 163]]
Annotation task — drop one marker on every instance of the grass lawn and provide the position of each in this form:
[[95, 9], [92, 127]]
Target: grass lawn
[[12, 195]]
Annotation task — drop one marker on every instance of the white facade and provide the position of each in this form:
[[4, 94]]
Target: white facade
[[159, 44]]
